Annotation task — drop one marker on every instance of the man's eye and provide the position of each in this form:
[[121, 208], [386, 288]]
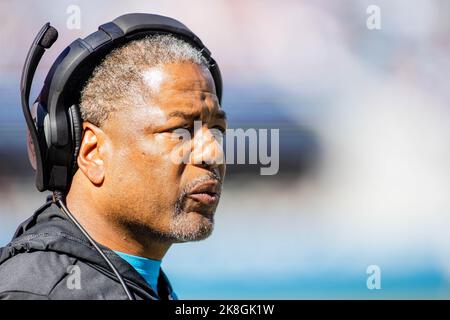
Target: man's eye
[[180, 134], [183, 132]]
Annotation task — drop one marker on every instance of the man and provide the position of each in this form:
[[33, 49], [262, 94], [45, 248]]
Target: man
[[130, 192]]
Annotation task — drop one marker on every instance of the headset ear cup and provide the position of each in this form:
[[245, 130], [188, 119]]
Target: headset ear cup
[[77, 134]]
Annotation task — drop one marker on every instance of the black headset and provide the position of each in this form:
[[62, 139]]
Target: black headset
[[56, 132]]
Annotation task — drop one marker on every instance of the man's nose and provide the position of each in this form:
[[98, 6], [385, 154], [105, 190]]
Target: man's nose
[[207, 147]]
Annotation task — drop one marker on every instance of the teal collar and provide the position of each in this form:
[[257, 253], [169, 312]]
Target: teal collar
[[148, 268]]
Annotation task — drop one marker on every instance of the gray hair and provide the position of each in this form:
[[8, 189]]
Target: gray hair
[[119, 79]]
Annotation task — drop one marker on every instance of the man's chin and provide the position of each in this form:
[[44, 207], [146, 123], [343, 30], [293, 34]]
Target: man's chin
[[192, 226]]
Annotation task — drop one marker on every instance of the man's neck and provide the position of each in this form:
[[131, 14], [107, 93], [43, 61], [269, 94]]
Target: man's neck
[[112, 234]]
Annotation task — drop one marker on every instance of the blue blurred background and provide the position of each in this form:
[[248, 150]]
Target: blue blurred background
[[364, 143]]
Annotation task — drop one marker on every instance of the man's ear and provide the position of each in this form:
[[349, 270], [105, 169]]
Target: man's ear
[[92, 152]]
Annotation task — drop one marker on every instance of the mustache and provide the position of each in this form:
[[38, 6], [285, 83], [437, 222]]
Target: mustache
[[214, 176], [200, 180]]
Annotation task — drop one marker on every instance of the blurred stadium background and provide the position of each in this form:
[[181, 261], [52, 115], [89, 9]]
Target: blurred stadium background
[[364, 143]]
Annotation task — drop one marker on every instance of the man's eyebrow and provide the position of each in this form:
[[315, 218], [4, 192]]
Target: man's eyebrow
[[181, 114], [220, 114]]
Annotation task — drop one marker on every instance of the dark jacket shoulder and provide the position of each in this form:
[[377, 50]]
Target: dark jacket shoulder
[[48, 258]]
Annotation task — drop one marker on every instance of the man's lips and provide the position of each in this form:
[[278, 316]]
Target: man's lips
[[207, 192]]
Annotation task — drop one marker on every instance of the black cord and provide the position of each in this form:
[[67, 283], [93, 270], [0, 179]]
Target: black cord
[[59, 200]]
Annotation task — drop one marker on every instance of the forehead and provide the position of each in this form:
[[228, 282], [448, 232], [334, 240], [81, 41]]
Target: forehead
[[185, 87], [180, 85], [186, 77]]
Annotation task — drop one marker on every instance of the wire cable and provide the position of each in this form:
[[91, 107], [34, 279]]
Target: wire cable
[[59, 200]]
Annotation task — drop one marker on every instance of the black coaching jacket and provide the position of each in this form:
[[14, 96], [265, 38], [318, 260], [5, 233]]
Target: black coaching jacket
[[48, 258]]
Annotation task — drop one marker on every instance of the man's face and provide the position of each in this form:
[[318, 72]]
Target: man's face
[[143, 186]]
